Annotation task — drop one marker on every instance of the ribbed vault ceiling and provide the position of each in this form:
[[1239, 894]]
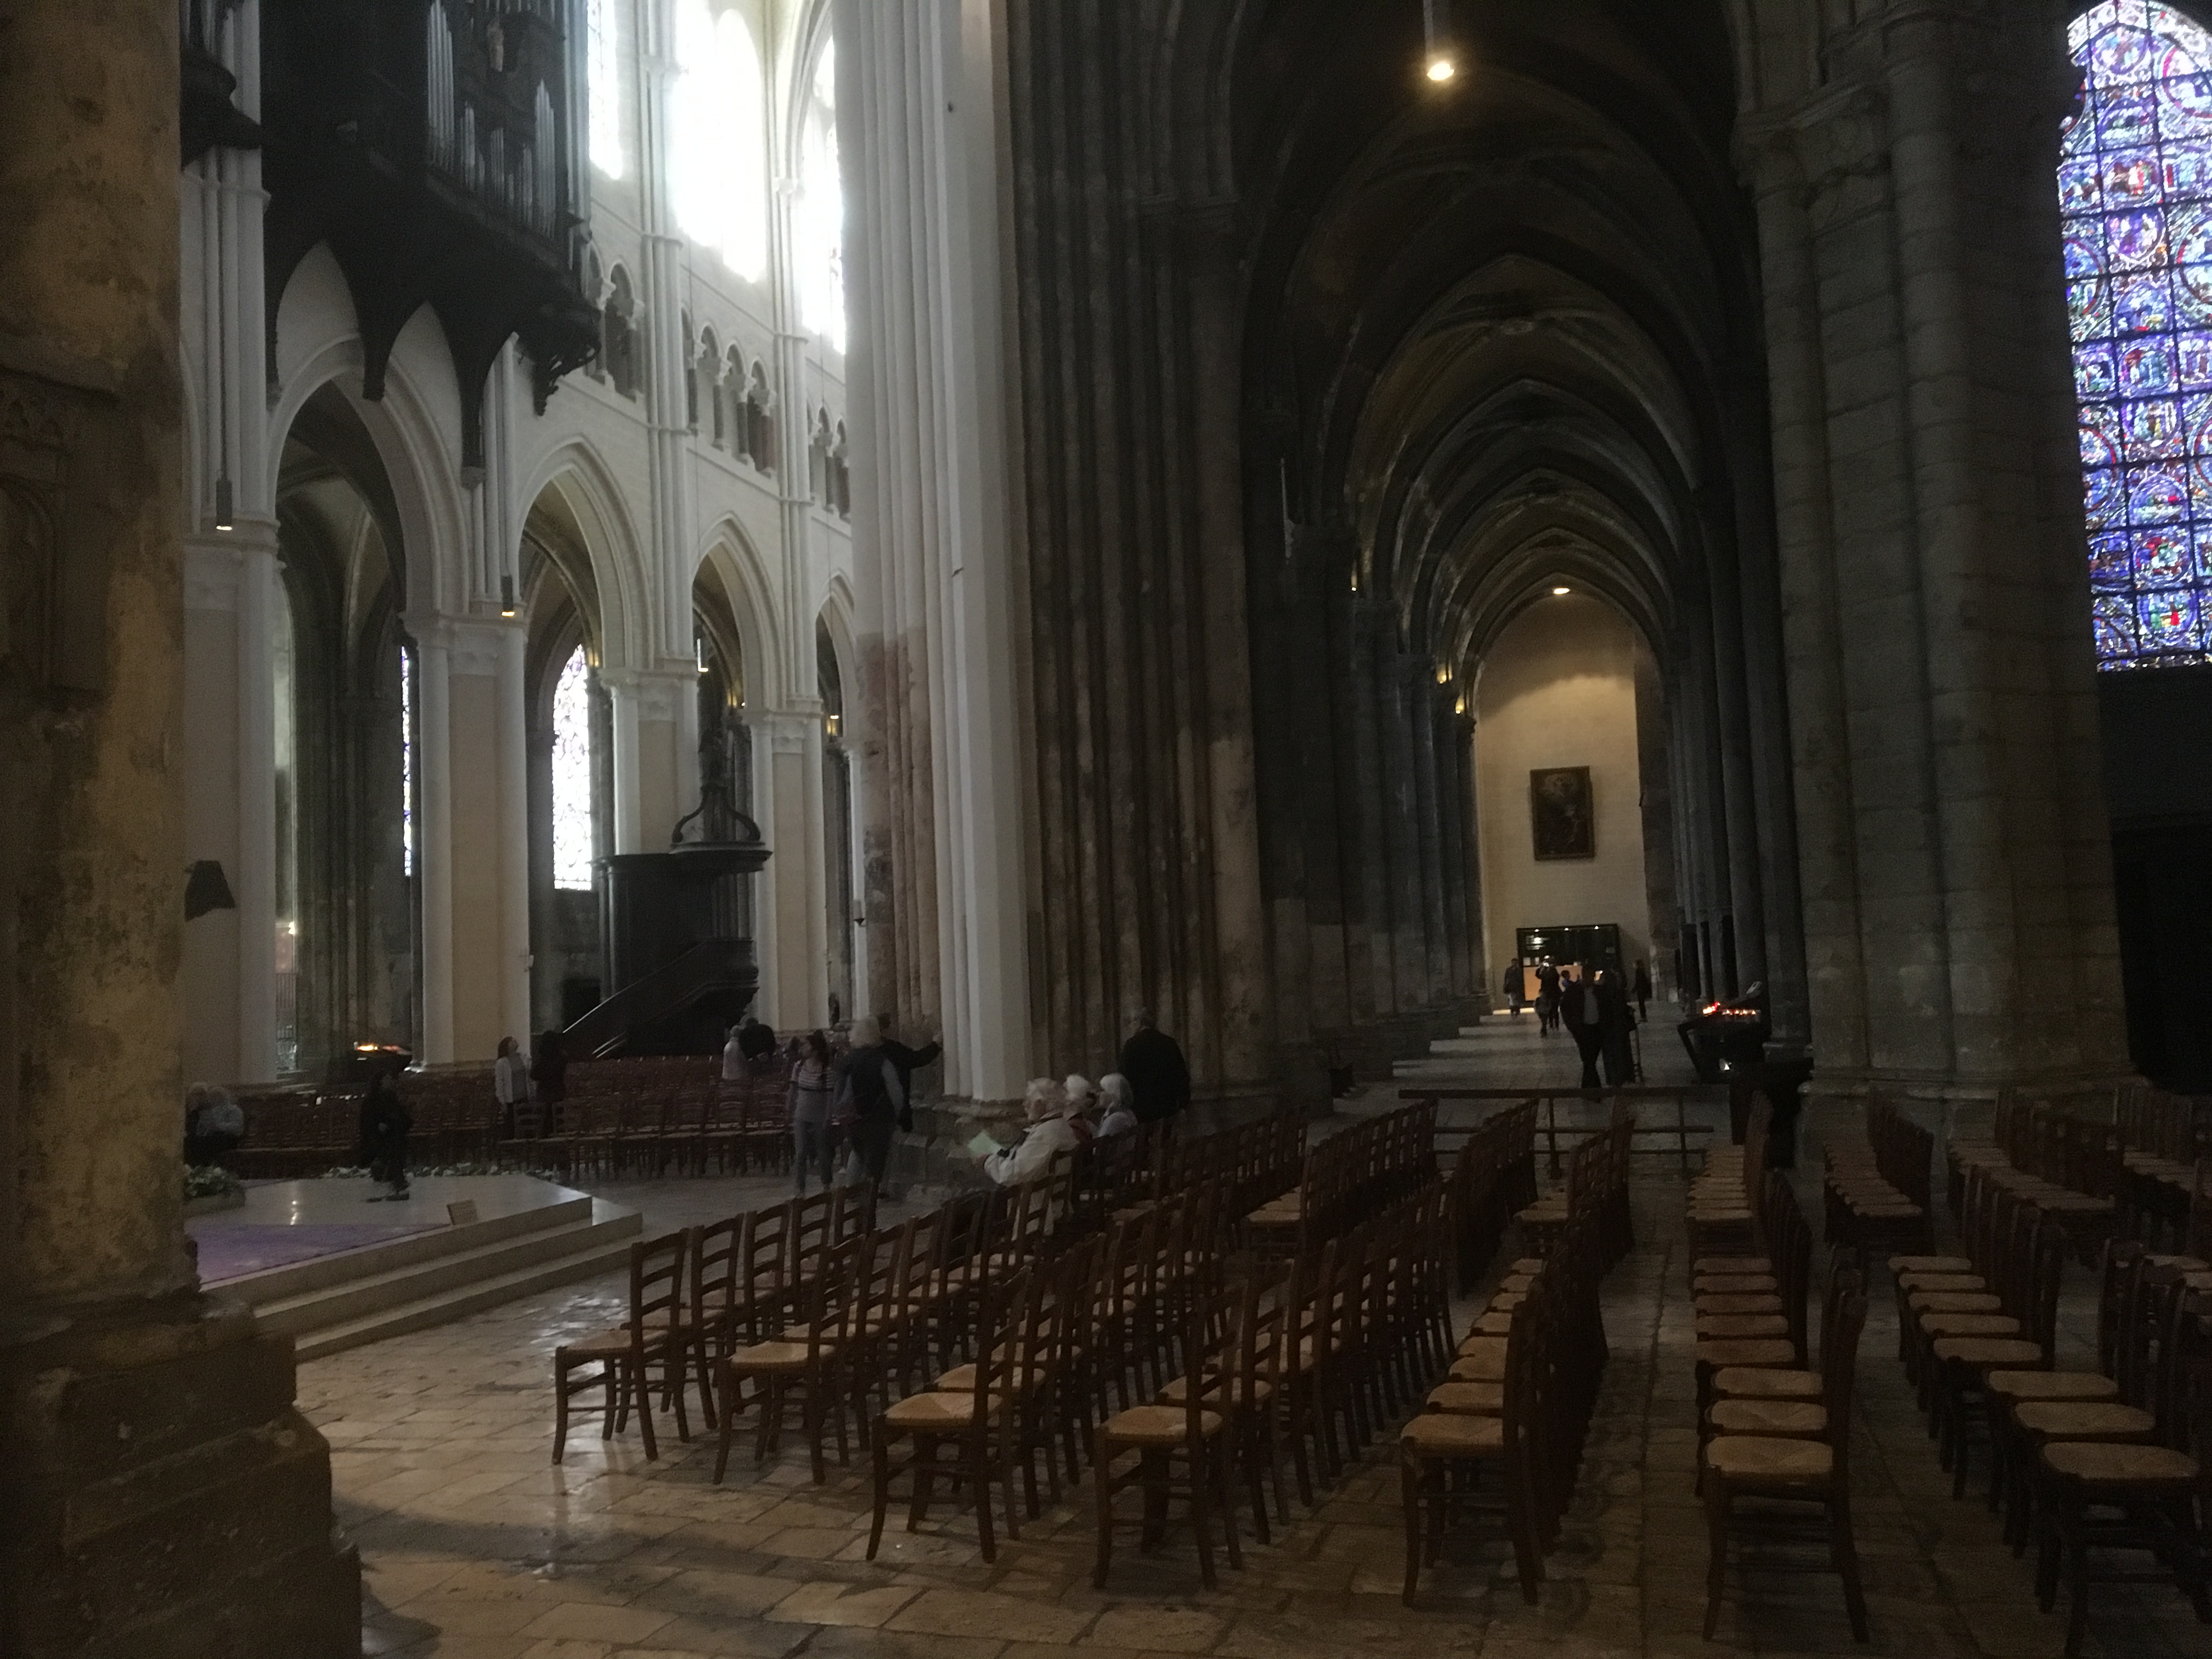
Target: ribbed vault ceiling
[[1498, 333]]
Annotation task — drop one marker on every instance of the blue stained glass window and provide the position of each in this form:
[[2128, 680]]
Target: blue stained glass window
[[2135, 183], [572, 774]]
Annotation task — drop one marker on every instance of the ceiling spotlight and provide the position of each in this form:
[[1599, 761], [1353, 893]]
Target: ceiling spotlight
[[1442, 69], [1560, 592]]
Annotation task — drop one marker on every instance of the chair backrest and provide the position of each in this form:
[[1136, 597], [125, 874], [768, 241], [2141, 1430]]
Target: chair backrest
[[829, 1297], [2186, 1423], [1839, 1366], [1002, 1308], [656, 1279], [768, 1247], [810, 1235], [718, 1250], [2049, 1257]]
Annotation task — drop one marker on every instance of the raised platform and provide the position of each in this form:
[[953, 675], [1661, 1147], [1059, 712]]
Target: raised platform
[[327, 1263]]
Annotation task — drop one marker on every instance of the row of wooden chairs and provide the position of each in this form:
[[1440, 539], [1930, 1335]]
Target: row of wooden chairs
[[1515, 1407], [1878, 1186], [1596, 1182], [2071, 1166], [695, 1295], [2156, 1125], [1373, 1164], [2116, 1458], [1773, 1418], [730, 1128], [1258, 1161], [1493, 1179]]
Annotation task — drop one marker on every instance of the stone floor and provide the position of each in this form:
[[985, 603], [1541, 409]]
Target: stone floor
[[475, 1547]]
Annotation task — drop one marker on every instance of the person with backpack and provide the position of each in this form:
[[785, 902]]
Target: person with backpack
[[870, 1098]]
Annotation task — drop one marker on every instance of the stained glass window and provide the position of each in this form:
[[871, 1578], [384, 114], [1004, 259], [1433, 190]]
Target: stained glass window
[[2135, 183], [818, 215], [572, 774], [603, 86]]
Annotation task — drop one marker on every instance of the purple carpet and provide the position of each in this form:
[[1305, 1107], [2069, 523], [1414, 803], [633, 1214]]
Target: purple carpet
[[232, 1249]]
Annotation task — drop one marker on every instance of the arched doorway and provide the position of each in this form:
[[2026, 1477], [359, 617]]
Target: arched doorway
[[347, 916]]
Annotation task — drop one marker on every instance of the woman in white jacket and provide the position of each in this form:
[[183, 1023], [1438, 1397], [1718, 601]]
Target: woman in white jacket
[[1045, 1105]]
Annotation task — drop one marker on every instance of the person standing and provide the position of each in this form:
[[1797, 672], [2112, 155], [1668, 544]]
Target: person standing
[[510, 1081], [384, 1121], [1158, 1075], [1548, 997], [1615, 1020], [549, 1070], [909, 1061], [813, 1081], [1640, 989], [756, 1039], [1579, 1011], [870, 1098], [1511, 980]]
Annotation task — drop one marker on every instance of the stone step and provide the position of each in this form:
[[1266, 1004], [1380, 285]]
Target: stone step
[[265, 1290], [429, 1293]]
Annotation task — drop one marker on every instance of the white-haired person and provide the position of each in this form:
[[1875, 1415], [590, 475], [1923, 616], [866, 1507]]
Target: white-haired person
[[1082, 1106], [1044, 1104], [1118, 1107]]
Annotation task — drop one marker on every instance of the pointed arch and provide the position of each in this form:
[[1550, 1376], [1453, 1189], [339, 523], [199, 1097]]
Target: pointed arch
[[736, 564], [587, 487]]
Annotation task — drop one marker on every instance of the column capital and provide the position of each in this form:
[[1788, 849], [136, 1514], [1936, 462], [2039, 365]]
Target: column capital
[[473, 645]]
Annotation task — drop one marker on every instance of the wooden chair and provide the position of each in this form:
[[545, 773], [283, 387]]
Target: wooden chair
[[1795, 1471], [657, 1332], [976, 1425], [2101, 1495], [1191, 1438], [1959, 1361], [1244, 1382], [1442, 1456], [809, 1365]]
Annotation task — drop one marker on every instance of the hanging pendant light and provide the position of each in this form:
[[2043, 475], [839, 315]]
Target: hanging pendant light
[[1440, 65]]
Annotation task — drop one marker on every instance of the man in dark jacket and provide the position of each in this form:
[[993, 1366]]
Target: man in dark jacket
[[1615, 1020], [756, 1040], [909, 1061], [1159, 1078], [1581, 1012], [870, 1099]]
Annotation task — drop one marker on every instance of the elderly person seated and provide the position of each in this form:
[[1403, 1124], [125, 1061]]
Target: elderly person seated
[[1118, 1107], [1049, 1134]]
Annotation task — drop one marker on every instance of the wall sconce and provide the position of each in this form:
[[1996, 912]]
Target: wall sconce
[[506, 596], [699, 652], [224, 506], [1561, 593], [834, 724]]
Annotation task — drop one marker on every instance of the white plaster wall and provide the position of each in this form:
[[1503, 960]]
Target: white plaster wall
[[1559, 688], [778, 552]]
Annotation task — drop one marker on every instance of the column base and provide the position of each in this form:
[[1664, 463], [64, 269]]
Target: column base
[[167, 1499]]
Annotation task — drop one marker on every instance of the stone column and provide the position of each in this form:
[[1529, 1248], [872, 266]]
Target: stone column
[[946, 848], [231, 581], [434, 834], [1956, 867], [1428, 829], [791, 923], [161, 1485]]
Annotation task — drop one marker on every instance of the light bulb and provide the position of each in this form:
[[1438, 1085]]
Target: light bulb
[[1560, 592], [1442, 69]]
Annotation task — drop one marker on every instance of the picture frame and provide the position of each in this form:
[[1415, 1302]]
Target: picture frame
[[1562, 812]]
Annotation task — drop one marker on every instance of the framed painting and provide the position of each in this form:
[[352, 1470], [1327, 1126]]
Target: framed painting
[[1562, 816]]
